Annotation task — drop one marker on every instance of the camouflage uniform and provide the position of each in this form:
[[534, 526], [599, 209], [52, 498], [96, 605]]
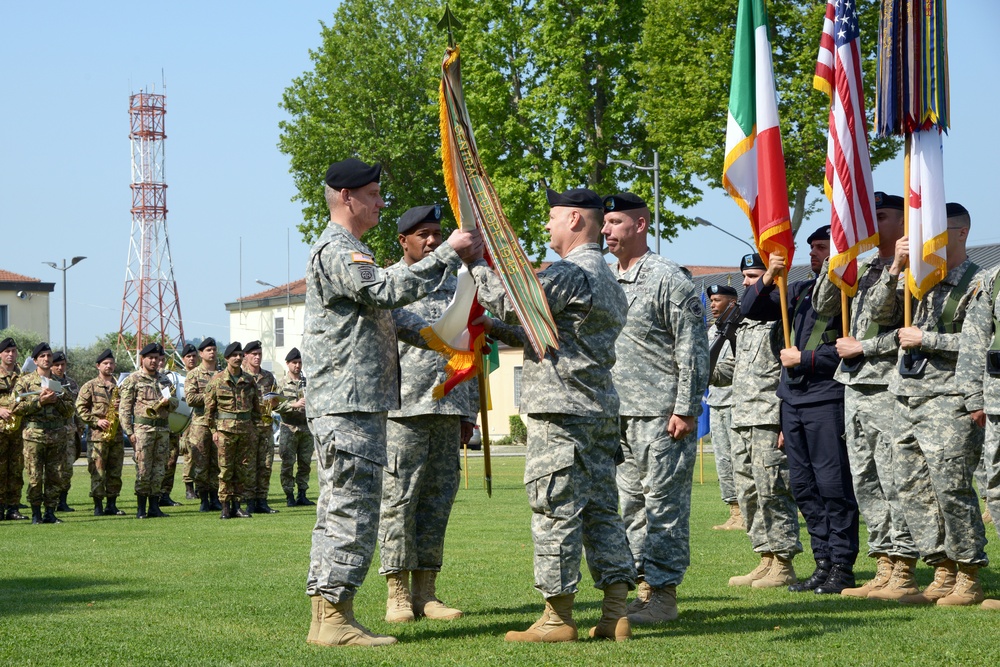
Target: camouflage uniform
[[720, 400], [295, 442], [150, 435], [423, 438], [170, 467], [44, 429], [105, 450], [11, 447], [760, 469], [232, 407], [73, 434], [202, 450], [262, 449], [869, 423], [349, 355], [936, 446], [572, 409]]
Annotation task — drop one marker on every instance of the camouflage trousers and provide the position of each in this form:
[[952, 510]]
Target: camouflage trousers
[[236, 468], [419, 485], [105, 460], [657, 511], [44, 462], [936, 447], [980, 475], [869, 449], [721, 421], [350, 454], [261, 461], [152, 444], [11, 468], [296, 449], [170, 469], [570, 480], [72, 453], [771, 515], [186, 451], [204, 456], [991, 460]]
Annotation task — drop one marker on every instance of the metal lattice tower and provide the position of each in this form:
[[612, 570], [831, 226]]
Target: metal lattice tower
[[151, 308]]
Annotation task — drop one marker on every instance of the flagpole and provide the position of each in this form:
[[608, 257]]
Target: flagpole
[[844, 313], [701, 460], [782, 281], [907, 302], [484, 388], [465, 448]]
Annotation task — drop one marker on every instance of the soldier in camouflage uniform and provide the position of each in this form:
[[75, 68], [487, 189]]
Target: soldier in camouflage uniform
[[146, 401], [760, 467], [869, 351], [936, 444], [189, 355], [46, 417], [572, 420], [661, 376], [350, 357], [170, 468], [74, 431], [232, 407], [97, 405], [295, 442], [11, 445], [423, 437], [262, 450], [201, 447]]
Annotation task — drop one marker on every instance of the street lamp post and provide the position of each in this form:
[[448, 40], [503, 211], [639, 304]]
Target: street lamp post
[[64, 268], [705, 223], [288, 291], [656, 188]]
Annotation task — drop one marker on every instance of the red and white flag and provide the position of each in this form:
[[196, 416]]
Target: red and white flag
[[927, 212]]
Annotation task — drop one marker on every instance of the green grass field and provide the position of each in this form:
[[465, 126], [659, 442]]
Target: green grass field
[[193, 590]]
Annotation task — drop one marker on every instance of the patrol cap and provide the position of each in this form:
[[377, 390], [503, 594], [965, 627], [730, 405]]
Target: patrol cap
[[883, 200], [208, 342], [752, 261], [151, 348], [417, 215], [59, 357], [821, 234], [104, 355], [352, 173], [188, 349], [232, 349], [575, 198], [623, 201], [293, 355], [6, 343], [955, 209], [39, 349], [723, 290], [252, 346]]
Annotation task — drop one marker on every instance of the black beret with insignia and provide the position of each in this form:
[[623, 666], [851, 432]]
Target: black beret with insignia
[[623, 201], [955, 209], [252, 346], [821, 234], [352, 173], [39, 349], [576, 198], [724, 290], [59, 357], [752, 261], [107, 354], [883, 200], [7, 343], [417, 215], [208, 342], [189, 349], [293, 355], [151, 348], [232, 349]]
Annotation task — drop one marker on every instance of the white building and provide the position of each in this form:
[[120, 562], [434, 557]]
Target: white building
[[275, 317]]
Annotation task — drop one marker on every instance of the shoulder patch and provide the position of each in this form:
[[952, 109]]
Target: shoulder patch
[[366, 274], [693, 306], [362, 258]]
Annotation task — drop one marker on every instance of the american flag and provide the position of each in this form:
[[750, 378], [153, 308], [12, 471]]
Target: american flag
[[848, 182]]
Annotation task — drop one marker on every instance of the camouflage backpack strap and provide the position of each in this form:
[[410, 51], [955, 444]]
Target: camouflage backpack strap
[[996, 325], [946, 323]]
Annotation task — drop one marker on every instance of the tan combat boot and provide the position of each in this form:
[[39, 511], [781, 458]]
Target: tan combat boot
[[399, 605], [766, 559], [315, 620], [614, 622], [967, 591], [944, 581], [902, 582], [734, 520], [987, 517], [883, 573], [425, 600], [555, 625], [642, 593], [780, 574], [661, 608], [991, 604], [338, 627]]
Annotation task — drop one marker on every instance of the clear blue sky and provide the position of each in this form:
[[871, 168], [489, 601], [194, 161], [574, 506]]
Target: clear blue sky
[[68, 70]]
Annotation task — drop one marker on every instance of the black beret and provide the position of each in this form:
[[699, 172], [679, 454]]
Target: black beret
[[293, 355], [151, 348], [252, 346], [576, 198], [104, 355], [821, 234], [623, 201], [752, 261], [724, 290], [232, 349], [6, 343], [58, 357], [417, 215], [39, 349], [882, 200], [955, 209], [208, 342], [352, 173], [188, 349]]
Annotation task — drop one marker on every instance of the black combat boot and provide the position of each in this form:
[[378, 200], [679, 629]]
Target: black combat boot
[[239, 513], [140, 513], [98, 506], [214, 503], [36, 514], [251, 505], [112, 508], [167, 501], [63, 506], [189, 491], [154, 508], [841, 576], [227, 510], [3, 512], [290, 499], [819, 575], [264, 508], [205, 505], [50, 516], [13, 515], [302, 501]]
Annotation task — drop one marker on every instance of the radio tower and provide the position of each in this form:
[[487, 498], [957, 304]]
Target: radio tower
[[151, 309]]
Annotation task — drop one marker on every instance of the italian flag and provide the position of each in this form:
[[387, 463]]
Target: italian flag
[[754, 171]]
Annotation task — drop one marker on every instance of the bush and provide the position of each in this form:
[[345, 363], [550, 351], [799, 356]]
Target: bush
[[518, 431]]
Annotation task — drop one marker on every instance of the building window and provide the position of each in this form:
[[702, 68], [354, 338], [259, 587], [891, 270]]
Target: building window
[[279, 332], [3, 317], [517, 386]]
